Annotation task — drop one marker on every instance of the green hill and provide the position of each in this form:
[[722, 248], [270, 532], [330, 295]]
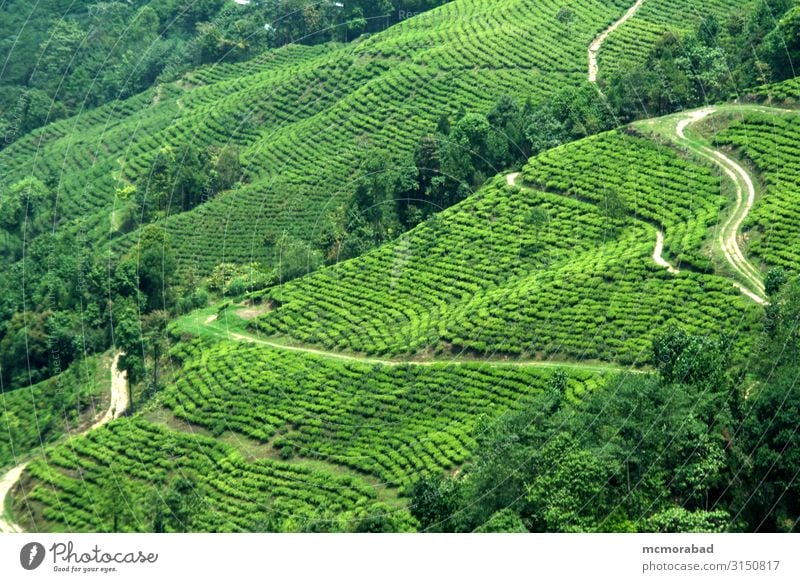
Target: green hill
[[519, 271], [770, 142], [328, 110]]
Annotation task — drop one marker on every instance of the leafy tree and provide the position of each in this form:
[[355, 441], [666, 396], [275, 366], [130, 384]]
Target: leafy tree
[[569, 487], [434, 501], [566, 16], [680, 520], [157, 266], [504, 521], [775, 279], [182, 503], [544, 130], [680, 357]]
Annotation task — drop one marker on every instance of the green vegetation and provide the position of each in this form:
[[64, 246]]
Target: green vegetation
[[770, 141], [526, 273], [644, 179], [331, 437], [155, 479], [787, 92], [604, 464], [332, 108], [675, 55], [38, 415], [61, 58], [371, 272], [392, 422]]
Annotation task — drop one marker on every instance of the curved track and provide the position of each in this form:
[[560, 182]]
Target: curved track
[[117, 406]]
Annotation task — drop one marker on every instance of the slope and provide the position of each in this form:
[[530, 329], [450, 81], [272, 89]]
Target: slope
[[328, 109], [769, 141], [530, 273], [631, 42]]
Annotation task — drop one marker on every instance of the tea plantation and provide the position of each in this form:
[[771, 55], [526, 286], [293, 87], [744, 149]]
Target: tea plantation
[[770, 141], [521, 272], [40, 414], [341, 439]]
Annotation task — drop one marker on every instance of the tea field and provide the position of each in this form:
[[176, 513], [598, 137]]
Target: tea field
[[770, 142]]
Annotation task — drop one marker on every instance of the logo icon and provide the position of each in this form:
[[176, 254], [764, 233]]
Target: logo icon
[[31, 555]]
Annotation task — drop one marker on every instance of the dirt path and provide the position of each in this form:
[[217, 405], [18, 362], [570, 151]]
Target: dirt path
[[116, 407], [659, 248], [6, 483], [383, 362], [597, 43], [728, 238], [511, 179]]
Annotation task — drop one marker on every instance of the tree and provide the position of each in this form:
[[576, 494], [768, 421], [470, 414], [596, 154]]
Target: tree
[[157, 266], [504, 521], [782, 45], [434, 501], [688, 359], [774, 280], [544, 130], [182, 504], [117, 502], [566, 16], [154, 330], [681, 520], [226, 167], [569, 490], [26, 208], [708, 30]]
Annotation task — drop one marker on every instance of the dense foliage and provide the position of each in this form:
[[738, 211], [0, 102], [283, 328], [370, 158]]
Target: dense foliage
[[687, 450], [61, 58], [657, 63]]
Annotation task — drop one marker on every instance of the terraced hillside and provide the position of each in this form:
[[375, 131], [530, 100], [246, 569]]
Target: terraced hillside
[[661, 188], [229, 493], [327, 109], [770, 141], [522, 272], [325, 440], [783, 92], [631, 42], [38, 415]]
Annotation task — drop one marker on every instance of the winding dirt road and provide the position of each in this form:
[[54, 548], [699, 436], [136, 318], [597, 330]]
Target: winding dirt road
[[728, 237], [242, 337], [658, 258], [117, 406], [597, 43], [511, 180]]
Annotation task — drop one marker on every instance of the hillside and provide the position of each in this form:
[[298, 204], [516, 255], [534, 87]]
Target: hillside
[[770, 142], [305, 439], [329, 109], [420, 278], [520, 271]]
